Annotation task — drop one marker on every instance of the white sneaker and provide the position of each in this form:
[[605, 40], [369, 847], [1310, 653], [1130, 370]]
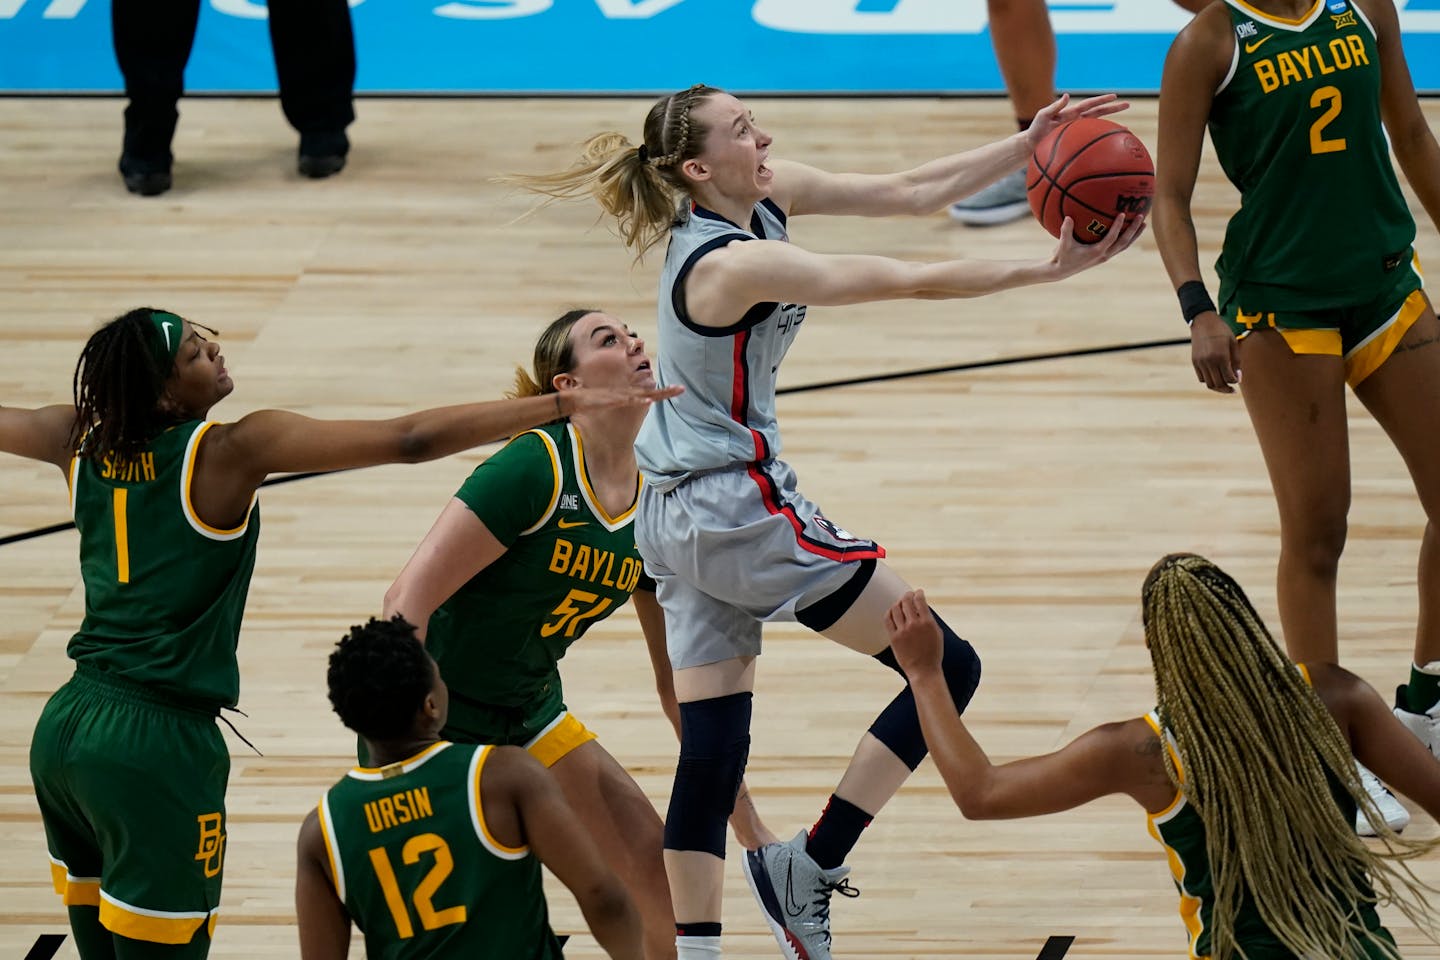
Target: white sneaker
[[1395, 814], [1002, 201], [1425, 726]]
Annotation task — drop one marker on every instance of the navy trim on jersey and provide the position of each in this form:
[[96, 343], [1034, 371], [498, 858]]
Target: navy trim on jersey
[[774, 208], [757, 226], [753, 316]]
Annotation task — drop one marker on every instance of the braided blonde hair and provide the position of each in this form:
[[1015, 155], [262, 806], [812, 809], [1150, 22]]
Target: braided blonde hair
[[1260, 752], [640, 186]]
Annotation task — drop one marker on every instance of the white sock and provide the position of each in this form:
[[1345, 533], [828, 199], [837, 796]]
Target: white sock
[[697, 948], [1432, 668]]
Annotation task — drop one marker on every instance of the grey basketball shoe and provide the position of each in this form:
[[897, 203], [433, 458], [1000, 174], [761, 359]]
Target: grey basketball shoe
[[795, 895], [1002, 201]]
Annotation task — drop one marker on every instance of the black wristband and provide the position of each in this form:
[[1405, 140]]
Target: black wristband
[[1194, 300]]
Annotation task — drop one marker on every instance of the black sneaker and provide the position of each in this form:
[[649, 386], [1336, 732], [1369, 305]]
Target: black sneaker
[[142, 178], [322, 154]]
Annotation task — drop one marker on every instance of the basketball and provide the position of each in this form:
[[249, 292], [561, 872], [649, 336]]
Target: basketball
[[1089, 170]]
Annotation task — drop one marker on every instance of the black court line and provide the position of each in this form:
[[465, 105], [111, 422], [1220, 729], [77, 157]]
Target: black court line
[[1055, 948], [980, 365], [799, 388], [46, 946]]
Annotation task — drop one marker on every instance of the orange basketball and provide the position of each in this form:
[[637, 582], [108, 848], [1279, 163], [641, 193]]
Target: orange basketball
[[1090, 170]]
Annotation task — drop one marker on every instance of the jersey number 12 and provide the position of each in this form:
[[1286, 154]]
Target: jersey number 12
[[430, 918]]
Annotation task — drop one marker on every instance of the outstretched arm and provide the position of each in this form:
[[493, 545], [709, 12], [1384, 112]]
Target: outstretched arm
[[523, 803], [725, 283], [750, 830], [235, 458], [801, 189], [1113, 758], [43, 434], [324, 924], [1377, 739]]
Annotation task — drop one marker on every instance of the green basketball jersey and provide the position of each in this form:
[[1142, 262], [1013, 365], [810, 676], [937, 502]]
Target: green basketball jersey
[[164, 591], [418, 870], [568, 564], [1296, 127], [1181, 831]]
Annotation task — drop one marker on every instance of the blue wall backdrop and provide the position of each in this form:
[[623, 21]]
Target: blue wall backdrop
[[633, 46]]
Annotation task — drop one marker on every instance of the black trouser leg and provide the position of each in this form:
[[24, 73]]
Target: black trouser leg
[[315, 62], [152, 45]]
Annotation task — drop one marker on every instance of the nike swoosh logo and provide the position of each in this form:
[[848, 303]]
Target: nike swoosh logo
[[166, 325], [791, 907], [1252, 47], [568, 524]]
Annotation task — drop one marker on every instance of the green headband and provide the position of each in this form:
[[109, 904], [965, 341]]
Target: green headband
[[167, 330]]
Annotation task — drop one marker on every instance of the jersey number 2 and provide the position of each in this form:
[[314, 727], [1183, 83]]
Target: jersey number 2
[[430, 918], [1318, 143]]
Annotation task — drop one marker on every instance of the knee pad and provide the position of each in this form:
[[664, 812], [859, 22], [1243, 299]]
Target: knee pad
[[714, 745], [898, 725]]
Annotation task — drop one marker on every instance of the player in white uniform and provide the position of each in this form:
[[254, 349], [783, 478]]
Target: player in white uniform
[[728, 538]]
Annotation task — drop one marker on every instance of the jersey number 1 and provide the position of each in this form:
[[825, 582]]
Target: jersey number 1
[[1318, 143], [430, 918], [122, 537]]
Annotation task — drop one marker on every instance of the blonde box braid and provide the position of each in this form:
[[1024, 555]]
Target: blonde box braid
[[1259, 750]]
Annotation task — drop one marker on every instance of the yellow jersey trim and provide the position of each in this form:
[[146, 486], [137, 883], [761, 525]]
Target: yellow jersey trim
[[477, 811], [1284, 23], [332, 848], [560, 737], [73, 891], [1318, 342], [608, 522], [192, 448], [1371, 353], [1179, 800], [401, 766], [554, 453], [154, 926], [72, 477]]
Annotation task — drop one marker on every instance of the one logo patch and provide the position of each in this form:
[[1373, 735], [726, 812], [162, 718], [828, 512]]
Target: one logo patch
[[1246, 29]]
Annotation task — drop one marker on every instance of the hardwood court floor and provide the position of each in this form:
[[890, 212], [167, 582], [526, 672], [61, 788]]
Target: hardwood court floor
[[1028, 499]]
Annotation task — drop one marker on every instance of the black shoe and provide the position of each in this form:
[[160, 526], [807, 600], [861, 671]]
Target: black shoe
[[317, 167], [322, 154], [145, 179]]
